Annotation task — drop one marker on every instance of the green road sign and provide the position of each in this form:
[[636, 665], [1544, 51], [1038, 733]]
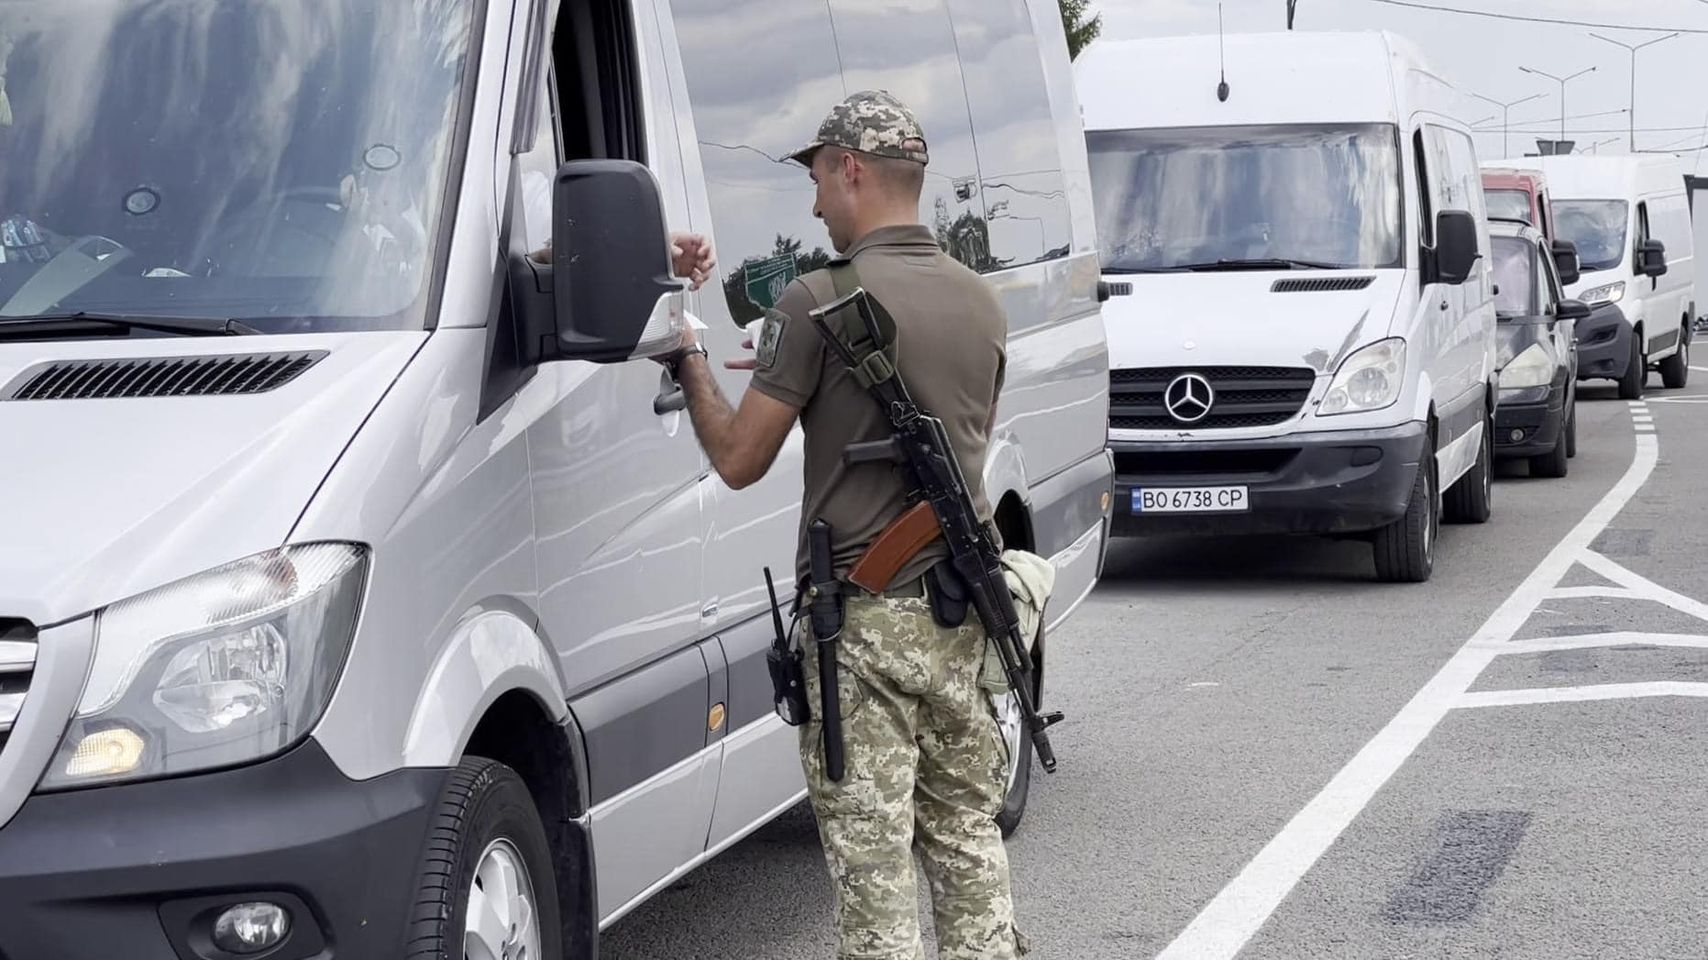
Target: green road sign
[[767, 279]]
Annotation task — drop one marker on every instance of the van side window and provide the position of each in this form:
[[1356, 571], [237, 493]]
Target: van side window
[[539, 167], [1669, 222], [1021, 184], [1425, 209], [758, 85], [909, 50]]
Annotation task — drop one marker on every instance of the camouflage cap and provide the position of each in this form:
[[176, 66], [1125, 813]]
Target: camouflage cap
[[871, 121]]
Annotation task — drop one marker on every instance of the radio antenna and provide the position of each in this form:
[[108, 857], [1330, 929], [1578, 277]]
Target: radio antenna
[[1222, 40]]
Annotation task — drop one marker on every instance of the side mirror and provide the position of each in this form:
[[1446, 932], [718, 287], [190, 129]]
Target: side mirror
[[613, 295], [1651, 258], [1456, 248], [1566, 262], [1573, 310]]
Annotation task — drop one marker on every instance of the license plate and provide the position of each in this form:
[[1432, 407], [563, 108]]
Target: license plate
[[1191, 500]]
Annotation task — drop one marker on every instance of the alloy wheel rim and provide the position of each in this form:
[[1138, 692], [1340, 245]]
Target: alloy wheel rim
[[501, 922]]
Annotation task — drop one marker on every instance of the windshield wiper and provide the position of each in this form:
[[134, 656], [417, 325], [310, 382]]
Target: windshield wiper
[[183, 326], [1261, 263], [1122, 271]]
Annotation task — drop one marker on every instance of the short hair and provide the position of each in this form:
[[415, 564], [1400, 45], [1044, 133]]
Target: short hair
[[904, 179]]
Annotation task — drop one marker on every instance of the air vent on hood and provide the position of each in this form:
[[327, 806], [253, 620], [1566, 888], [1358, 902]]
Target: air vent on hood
[[161, 376], [1321, 284]]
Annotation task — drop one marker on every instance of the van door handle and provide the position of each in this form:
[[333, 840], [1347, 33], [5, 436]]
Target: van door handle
[[671, 397]]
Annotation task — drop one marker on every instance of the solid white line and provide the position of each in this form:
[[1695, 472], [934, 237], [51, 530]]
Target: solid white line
[[1700, 369], [1593, 593], [1225, 925], [1605, 691], [1594, 641]]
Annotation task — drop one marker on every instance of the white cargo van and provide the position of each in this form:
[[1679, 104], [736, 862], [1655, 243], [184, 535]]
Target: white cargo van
[[1630, 219], [1309, 345], [364, 592]]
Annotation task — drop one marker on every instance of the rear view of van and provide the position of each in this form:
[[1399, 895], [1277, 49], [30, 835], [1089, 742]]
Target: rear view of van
[[1308, 341], [1630, 220]]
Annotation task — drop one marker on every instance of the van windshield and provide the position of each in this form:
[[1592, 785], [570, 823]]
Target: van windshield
[[1598, 229], [1515, 275], [1169, 199], [1509, 205], [282, 162]]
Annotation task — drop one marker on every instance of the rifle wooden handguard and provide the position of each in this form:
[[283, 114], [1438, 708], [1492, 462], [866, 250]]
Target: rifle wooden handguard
[[900, 542]]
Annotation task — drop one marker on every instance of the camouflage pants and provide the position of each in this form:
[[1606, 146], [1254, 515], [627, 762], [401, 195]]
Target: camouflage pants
[[926, 765]]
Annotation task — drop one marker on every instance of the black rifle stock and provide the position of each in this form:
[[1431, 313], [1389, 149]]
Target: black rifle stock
[[921, 445]]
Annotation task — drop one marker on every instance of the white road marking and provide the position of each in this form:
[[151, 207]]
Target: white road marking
[[1589, 593], [1604, 691], [1230, 920], [1599, 641], [1687, 399], [1644, 587]]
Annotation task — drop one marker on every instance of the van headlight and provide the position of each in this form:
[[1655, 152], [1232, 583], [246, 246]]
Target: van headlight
[[1368, 380], [1604, 294], [225, 667], [1532, 368]]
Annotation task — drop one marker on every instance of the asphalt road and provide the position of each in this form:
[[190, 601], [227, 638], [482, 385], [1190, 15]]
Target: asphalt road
[[1270, 755]]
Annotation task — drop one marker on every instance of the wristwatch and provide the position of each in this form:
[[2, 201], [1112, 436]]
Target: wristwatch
[[682, 356]]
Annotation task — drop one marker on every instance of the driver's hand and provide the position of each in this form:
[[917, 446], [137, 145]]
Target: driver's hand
[[691, 257]]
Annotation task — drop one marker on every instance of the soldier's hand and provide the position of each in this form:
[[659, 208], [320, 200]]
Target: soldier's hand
[[744, 363]]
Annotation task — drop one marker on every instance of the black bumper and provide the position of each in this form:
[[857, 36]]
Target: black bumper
[[1530, 429], [137, 871], [1604, 344], [1317, 483]]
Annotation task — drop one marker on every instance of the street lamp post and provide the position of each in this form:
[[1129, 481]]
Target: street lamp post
[[1633, 51], [1562, 81], [1506, 119]]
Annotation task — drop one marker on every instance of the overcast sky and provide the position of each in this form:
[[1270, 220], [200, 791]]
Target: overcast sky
[[1483, 56]]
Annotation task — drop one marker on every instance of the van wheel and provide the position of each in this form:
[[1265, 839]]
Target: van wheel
[[1471, 500], [1636, 371], [1019, 781], [1675, 370], [486, 885], [1405, 549]]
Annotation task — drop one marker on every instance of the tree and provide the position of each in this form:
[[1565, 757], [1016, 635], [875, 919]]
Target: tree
[[1080, 29]]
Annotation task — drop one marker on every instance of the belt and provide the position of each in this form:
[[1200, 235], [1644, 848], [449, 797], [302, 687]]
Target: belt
[[911, 590]]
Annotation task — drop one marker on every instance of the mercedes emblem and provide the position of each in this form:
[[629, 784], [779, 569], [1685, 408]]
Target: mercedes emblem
[[1188, 398]]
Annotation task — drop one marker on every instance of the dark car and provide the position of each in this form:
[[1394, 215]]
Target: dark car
[[1537, 416]]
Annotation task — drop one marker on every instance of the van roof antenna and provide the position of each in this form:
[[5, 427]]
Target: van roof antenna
[[1222, 39]]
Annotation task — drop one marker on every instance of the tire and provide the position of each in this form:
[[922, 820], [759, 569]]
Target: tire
[[1020, 772], [1554, 463], [485, 834], [1471, 500], [1675, 370], [1572, 428], [1636, 371], [1405, 549]]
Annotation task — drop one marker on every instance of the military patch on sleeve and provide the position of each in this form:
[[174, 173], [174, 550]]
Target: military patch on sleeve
[[770, 338]]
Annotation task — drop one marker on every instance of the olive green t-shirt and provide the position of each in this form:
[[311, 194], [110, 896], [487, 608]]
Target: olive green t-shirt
[[951, 339]]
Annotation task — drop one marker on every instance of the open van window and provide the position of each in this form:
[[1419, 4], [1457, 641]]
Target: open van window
[[1598, 228], [273, 161], [1170, 199], [1515, 276]]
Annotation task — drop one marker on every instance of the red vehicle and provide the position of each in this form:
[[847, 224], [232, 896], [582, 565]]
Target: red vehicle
[[1515, 194]]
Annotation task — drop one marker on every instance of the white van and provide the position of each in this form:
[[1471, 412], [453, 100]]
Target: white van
[[1630, 219], [363, 588], [1309, 345]]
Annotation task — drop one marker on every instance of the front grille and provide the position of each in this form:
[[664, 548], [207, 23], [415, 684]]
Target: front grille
[[17, 666], [162, 377], [1321, 285], [1200, 463], [1244, 397]]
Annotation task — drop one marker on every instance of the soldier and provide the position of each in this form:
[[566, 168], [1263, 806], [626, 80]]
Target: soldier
[[925, 759]]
